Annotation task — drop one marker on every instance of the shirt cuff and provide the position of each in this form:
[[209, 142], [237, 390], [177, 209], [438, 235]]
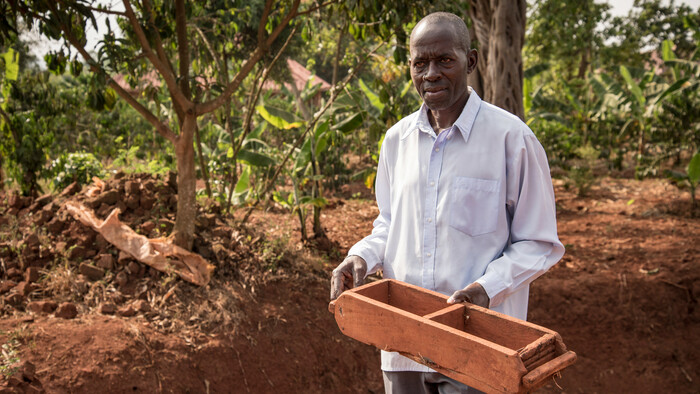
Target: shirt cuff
[[494, 287], [372, 260]]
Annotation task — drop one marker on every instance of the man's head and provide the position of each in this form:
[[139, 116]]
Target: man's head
[[441, 59]]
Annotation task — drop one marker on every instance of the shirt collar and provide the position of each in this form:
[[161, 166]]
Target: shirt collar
[[464, 123]]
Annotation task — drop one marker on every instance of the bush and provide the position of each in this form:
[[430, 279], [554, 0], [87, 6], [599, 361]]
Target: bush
[[74, 167]]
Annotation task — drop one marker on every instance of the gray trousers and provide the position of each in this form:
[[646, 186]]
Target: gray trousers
[[407, 382]]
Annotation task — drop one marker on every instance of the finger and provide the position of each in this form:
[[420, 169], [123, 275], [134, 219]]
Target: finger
[[336, 284], [359, 271]]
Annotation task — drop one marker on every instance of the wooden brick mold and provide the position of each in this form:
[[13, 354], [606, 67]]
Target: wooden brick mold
[[484, 349]]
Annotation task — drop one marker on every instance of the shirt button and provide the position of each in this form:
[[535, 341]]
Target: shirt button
[[437, 149], [430, 220], [429, 254], [432, 183]]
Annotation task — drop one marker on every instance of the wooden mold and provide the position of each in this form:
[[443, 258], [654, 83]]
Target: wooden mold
[[484, 349]]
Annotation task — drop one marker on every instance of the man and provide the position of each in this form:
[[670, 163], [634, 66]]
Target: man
[[466, 205]]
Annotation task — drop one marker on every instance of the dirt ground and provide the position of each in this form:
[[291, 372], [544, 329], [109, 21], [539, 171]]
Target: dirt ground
[[624, 298]]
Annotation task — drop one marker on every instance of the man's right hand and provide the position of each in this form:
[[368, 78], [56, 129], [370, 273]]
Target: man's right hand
[[348, 274]]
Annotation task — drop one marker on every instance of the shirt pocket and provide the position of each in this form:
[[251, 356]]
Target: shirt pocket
[[474, 205]]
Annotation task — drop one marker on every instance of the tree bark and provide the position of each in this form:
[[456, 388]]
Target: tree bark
[[499, 27], [183, 232]]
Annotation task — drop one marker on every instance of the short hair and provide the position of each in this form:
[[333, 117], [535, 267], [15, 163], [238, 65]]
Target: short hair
[[456, 22]]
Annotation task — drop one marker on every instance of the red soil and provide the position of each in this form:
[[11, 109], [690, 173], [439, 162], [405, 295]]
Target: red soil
[[624, 298]]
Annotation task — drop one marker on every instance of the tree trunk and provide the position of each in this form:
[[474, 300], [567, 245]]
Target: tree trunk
[[183, 232], [499, 27]]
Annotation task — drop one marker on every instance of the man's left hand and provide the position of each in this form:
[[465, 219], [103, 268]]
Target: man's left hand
[[474, 294]]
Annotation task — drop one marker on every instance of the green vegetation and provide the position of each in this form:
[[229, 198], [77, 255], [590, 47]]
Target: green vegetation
[[204, 89]]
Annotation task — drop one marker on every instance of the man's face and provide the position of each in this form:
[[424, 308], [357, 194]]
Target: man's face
[[439, 66]]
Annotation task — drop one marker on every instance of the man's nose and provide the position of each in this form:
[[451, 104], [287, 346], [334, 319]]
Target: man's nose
[[432, 73]]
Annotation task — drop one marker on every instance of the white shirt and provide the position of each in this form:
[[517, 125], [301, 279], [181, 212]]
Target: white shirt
[[472, 204]]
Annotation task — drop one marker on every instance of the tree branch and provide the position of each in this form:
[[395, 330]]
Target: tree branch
[[312, 9], [183, 47], [161, 127], [248, 65], [263, 21], [164, 71], [160, 51], [106, 11]]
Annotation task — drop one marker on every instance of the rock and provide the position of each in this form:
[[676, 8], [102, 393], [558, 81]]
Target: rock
[[142, 306], [105, 261], [147, 201], [147, 227], [7, 285], [100, 242], [66, 310], [132, 188], [32, 274], [32, 241], [92, 272], [124, 258], [39, 307], [132, 202], [25, 288], [103, 210], [121, 206], [71, 189], [109, 197], [42, 217], [149, 185], [78, 252], [14, 273], [107, 308], [40, 202], [15, 201], [121, 279], [133, 268], [126, 311], [55, 226], [15, 299]]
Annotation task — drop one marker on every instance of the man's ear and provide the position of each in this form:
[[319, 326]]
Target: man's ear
[[472, 59]]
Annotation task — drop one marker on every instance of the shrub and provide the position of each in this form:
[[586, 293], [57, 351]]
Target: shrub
[[74, 167]]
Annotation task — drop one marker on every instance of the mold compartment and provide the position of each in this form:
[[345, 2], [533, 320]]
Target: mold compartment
[[406, 298]]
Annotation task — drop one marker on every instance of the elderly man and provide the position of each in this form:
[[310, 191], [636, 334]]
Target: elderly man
[[466, 205]]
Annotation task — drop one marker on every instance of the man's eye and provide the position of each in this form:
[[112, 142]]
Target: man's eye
[[419, 64], [445, 60]]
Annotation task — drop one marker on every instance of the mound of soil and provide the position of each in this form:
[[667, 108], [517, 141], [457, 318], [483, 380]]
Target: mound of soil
[[78, 316]]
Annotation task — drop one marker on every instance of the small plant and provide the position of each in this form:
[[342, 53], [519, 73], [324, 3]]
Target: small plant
[[690, 179], [74, 167], [581, 173]]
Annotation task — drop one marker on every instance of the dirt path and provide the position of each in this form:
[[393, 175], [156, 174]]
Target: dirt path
[[624, 298]]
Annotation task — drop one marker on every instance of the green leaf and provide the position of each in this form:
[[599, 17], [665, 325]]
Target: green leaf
[[371, 96], [350, 123], [694, 170], [667, 50], [255, 158], [534, 70], [11, 64], [633, 86], [243, 181], [278, 117]]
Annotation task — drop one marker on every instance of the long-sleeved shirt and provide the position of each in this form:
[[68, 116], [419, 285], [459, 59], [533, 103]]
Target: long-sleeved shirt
[[472, 204]]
